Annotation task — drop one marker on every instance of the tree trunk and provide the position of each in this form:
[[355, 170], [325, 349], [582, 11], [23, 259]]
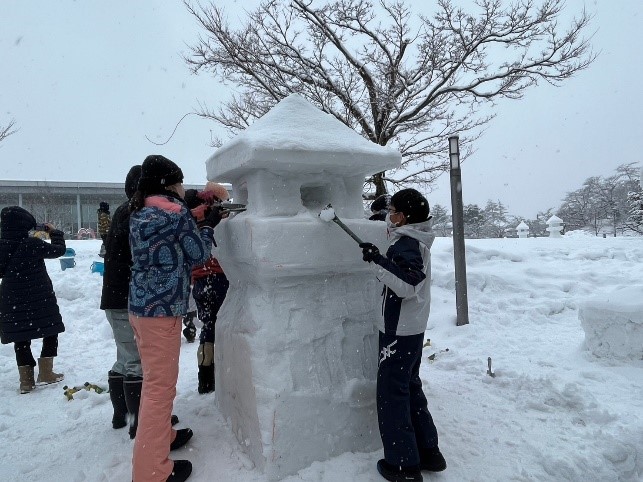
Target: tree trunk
[[380, 185]]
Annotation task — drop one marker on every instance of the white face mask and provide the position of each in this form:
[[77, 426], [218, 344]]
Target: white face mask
[[389, 223]]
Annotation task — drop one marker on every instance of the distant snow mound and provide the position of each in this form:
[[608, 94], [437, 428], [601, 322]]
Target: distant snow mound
[[613, 323], [579, 233]]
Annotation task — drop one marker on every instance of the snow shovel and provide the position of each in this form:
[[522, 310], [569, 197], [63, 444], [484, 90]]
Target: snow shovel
[[328, 214]]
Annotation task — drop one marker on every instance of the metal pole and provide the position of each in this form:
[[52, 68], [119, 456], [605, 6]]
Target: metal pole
[[79, 214], [457, 220]]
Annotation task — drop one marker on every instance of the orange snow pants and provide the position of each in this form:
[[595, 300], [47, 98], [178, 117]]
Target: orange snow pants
[[159, 343]]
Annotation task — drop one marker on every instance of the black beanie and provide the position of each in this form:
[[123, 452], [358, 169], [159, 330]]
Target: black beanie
[[157, 173], [414, 206], [191, 198], [381, 203], [131, 181]]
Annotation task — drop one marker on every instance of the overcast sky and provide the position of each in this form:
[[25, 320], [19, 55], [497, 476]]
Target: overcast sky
[[86, 83]]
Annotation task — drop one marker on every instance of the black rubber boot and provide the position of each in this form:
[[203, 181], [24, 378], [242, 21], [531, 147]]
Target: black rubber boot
[[206, 378], [117, 396], [132, 389]]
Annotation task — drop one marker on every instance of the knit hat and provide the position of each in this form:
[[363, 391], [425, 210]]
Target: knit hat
[[413, 204], [15, 222], [157, 173], [381, 203], [131, 181], [191, 198], [103, 206]]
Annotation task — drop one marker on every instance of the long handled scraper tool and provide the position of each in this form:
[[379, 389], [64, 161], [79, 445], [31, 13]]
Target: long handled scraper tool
[[328, 214]]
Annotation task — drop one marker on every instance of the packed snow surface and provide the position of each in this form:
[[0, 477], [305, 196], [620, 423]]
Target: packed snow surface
[[553, 412]]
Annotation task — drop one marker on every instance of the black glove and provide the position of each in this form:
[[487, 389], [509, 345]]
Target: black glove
[[370, 252], [212, 217]]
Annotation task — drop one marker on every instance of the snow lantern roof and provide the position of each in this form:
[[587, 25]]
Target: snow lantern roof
[[522, 225], [295, 137], [554, 219]]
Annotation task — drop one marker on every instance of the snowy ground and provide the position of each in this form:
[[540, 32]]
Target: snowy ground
[[553, 412]]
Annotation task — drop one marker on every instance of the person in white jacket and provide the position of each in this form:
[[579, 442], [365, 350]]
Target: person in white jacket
[[409, 436]]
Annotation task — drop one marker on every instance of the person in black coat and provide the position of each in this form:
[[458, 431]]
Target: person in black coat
[[125, 379], [126, 376], [28, 305]]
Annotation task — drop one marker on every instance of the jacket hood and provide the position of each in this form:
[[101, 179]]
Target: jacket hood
[[423, 232], [131, 181], [15, 223]]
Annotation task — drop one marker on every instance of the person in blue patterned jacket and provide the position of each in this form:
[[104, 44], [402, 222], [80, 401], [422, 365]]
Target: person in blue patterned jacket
[[408, 433], [166, 244]]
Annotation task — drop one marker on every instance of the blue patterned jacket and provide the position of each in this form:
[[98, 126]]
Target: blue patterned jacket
[[165, 244]]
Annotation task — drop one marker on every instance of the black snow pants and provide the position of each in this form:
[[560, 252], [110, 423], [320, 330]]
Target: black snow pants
[[404, 419]]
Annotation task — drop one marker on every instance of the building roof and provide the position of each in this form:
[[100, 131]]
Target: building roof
[[71, 187]]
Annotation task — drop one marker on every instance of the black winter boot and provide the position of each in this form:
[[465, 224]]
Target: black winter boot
[[181, 471], [395, 473], [432, 460], [182, 437], [206, 379], [205, 359], [132, 388], [117, 396]]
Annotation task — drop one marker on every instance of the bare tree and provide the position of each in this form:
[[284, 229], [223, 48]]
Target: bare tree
[[602, 202], [6, 131], [392, 75]]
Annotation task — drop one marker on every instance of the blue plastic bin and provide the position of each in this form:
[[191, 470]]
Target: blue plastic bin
[[67, 263], [98, 267]]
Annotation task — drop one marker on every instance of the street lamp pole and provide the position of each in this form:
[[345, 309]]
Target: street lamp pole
[[457, 220]]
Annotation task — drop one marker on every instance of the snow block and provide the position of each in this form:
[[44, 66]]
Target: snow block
[[297, 342], [613, 323]]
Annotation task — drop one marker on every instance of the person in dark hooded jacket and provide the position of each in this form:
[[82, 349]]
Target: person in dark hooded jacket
[[28, 305], [126, 376], [125, 379], [408, 433]]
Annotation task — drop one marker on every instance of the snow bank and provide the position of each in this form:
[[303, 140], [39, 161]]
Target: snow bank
[[613, 323]]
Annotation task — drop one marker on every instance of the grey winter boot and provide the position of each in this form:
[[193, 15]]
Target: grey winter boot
[[27, 382], [117, 396], [46, 374]]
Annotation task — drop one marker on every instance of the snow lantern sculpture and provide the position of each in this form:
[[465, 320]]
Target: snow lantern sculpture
[[555, 226], [296, 338], [523, 230]]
